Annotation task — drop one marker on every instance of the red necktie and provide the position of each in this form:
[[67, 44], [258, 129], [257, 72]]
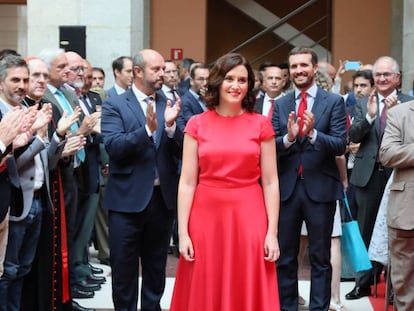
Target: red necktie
[[3, 167], [303, 105], [270, 112]]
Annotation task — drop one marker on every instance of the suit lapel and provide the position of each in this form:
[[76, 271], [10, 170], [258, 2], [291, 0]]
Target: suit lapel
[[135, 107], [319, 106]]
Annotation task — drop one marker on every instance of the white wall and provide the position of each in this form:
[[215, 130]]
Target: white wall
[[113, 28], [13, 28]]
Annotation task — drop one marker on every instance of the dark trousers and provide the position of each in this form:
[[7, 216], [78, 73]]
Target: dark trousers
[[140, 236], [319, 222], [368, 200]]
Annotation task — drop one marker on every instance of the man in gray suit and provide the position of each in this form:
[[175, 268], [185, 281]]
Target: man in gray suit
[[397, 151], [33, 163], [369, 175]]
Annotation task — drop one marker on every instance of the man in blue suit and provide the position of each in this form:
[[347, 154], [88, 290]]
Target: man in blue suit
[[309, 179], [144, 145], [191, 102]]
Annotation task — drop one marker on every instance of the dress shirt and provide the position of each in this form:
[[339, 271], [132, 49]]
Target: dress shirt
[[380, 106], [141, 97], [119, 90], [310, 98]]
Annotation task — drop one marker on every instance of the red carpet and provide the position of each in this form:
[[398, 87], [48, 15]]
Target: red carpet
[[378, 304]]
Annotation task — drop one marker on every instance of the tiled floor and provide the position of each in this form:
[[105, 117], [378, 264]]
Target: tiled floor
[[103, 299]]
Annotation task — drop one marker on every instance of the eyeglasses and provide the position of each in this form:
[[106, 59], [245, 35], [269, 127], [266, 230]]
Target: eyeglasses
[[383, 74], [77, 69]]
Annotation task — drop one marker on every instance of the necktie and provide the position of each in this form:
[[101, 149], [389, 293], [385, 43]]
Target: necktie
[[383, 119], [148, 100], [86, 108], [173, 95], [270, 112], [303, 105], [64, 103]]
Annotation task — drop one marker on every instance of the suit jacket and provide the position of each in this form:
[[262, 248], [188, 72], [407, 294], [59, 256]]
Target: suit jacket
[[322, 180], [189, 107], [259, 104], [184, 86], [397, 151], [368, 135], [134, 157], [111, 92], [90, 168], [50, 153]]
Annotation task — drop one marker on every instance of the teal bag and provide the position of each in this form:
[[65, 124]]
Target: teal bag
[[354, 253]]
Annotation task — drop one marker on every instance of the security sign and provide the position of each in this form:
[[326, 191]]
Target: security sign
[[176, 54]]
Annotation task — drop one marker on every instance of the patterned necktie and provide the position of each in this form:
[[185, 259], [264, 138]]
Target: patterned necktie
[[303, 105], [383, 119], [148, 100], [64, 103], [270, 112]]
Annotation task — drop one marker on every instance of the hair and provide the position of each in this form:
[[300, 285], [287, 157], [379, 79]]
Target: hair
[[49, 55], [195, 67], [323, 80], [10, 61], [305, 50], [186, 62], [217, 73], [99, 69], [5, 52], [366, 74], [395, 67], [118, 63]]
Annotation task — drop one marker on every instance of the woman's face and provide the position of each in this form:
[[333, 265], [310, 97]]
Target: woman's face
[[234, 86]]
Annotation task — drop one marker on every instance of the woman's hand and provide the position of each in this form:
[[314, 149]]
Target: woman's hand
[[186, 248], [271, 248]]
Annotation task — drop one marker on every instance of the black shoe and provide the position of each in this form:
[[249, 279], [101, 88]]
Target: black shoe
[[105, 261], [358, 292], [173, 250], [95, 279], [77, 293], [78, 307], [86, 286], [95, 270]]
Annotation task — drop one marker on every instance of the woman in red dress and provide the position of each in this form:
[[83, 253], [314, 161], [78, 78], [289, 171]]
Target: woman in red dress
[[228, 201]]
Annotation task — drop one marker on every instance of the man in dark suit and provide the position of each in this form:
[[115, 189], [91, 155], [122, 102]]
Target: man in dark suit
[[309, 179], [122, 69], [191, 102], [369, 176], [272, 84], [88, 188], [66, 100], [144, 145], [185, 68]]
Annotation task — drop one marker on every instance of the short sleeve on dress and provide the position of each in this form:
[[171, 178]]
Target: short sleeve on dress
[[266, 130], [192, 126]]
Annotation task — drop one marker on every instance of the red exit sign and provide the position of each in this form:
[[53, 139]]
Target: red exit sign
[[177, 54]]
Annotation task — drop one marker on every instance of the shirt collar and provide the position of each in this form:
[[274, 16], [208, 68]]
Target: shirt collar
[[310, 91]]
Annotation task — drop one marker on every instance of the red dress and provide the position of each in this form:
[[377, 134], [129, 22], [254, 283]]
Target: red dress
[[228, 220]]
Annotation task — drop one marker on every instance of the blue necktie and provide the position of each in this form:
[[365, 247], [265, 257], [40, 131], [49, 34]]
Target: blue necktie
[[64, 103]]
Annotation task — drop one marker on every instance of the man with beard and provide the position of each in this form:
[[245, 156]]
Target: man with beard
[[33, 163], [144, 144], [310, 128]]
